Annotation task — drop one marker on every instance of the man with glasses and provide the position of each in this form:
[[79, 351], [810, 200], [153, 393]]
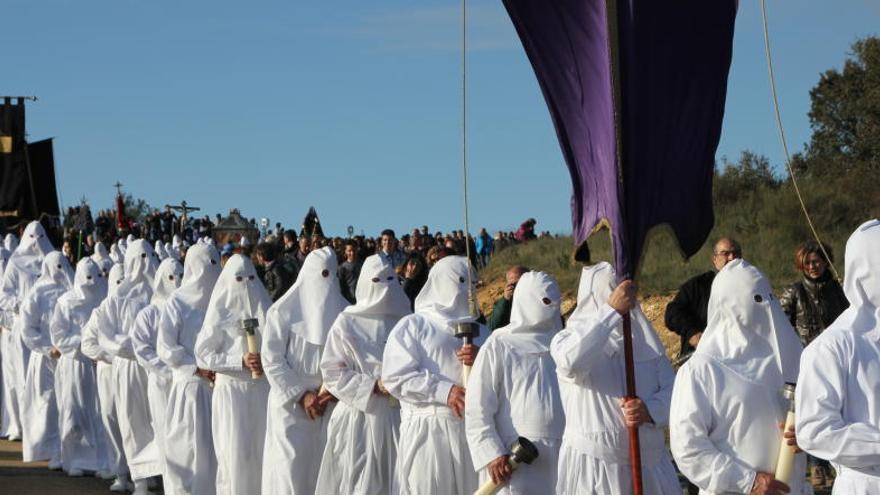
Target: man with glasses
[[686, 314]]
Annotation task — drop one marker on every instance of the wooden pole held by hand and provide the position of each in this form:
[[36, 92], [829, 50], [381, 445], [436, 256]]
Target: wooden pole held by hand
[[635, 452]]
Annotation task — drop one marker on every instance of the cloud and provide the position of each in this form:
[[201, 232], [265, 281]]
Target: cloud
[[436, 28]]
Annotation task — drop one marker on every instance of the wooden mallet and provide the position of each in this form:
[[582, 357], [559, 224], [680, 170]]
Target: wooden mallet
[[521, 452]]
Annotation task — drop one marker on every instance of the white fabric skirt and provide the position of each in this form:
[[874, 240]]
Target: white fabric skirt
[[135, 424], [361, 450], [294, 446], [238, 421], [40, 438], [849, 482], [115, 461], [158, 388], [191, 467], [580, 473], [83, 444], [433, 456], [11, 391]]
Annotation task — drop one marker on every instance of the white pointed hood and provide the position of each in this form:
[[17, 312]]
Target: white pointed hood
[[10, 242], [56, 270], [160, 251], [239, 294], [444, 297], [200, 272], [34, 245], [862, 282], [747, 331], [535, 318], [140, 269], [115, 279], [168, 278], [596, 285], [314, 301], [379, 292], [87, 282], [116, 253]]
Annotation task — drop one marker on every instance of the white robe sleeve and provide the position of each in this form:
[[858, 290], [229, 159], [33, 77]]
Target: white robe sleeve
[[481, 405], [9, 296], [660, 401], [168, 341], [577, 348], [64, 338], [212, 349], [341, 379], [111, 337], [283, 377], [89, 343], [145, 324], [402, 372], [819, 397], [31, 316], [689, 428]]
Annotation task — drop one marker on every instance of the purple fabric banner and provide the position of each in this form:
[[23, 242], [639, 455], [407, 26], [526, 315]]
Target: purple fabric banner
[[673, 58]]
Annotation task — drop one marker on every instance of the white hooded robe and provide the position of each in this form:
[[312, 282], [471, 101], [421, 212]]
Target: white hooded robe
[[513, 390], [727, 400], [419, 368], [40, 437], [238, 408], [594, 457], [293, 342], [191, 466], [84, 444], [363, 431], [838, 390]]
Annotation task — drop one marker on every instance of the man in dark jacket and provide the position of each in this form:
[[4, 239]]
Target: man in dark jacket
[[501, 310], [276, 275], [686, 314], [349, 271]]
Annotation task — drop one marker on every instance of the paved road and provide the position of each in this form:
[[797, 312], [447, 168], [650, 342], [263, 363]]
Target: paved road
[[18, 478]]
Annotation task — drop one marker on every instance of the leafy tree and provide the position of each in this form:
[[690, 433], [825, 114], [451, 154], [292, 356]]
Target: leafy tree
[[845, 115]]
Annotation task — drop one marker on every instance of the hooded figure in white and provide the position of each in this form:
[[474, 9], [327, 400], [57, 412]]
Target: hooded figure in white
[[83, 439], [513, 390], [589, 357], [421, 368], [21, 274], [115, 463], [116, 253], [362, 435], [102, 258], [190, 463], [728, 402], [114, 320], [837, 395], [143, 339], [238, 408], [40, 438], [293, 343]]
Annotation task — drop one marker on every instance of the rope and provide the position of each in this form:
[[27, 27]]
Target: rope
[[464, 165], [791, 174]]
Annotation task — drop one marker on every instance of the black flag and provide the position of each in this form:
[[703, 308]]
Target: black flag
[[16, 202], [42, 161], [311, 225]]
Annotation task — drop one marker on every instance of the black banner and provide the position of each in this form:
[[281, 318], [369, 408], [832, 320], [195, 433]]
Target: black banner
[[15, 198], [311, 225], [42, 161]]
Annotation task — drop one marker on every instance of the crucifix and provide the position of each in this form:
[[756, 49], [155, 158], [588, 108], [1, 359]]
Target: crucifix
[[118, 187], [183, 208]]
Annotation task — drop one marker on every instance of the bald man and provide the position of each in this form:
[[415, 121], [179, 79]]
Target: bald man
[[501, 310]]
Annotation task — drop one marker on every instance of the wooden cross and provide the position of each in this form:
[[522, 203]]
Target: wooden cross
[[118, 187], [183, 208]]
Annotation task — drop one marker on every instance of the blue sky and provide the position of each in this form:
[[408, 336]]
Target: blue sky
[[351, 106]]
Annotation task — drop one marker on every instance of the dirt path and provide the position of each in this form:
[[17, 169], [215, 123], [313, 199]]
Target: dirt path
[[18, 478]]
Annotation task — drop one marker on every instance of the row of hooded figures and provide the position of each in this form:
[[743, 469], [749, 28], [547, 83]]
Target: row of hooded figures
[[188, 374]]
